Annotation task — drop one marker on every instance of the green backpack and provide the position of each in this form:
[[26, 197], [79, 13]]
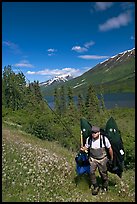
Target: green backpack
[[86, 129], [114, 136]]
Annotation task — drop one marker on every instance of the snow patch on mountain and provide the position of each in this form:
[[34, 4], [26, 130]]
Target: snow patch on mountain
[[119, 57], [57, 79], [78, 85]]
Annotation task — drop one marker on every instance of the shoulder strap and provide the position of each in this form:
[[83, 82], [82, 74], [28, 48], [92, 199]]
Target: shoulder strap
[[90, 141], [107, 151], [104, 142], [100, 141]]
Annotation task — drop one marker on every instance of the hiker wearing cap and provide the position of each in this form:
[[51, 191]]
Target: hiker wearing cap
[[98, 158]]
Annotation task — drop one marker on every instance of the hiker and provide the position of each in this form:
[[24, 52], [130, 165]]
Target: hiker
[[98, 158]]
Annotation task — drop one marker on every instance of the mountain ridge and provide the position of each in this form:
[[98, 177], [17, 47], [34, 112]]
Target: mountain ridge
[[118, 70]]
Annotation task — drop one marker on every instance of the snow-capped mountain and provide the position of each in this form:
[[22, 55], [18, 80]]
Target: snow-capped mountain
[[56, 79], [114, 74], [119, 58]]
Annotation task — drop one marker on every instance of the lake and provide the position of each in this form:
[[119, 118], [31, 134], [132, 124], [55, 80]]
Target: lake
[[111, 100]]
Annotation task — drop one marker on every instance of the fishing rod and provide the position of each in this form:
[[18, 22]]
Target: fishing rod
[[58, 117]]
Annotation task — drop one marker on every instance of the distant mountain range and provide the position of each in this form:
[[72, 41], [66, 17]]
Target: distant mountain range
[[56, 80], [116, 74]]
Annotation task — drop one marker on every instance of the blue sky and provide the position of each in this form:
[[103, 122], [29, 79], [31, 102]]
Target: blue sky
[[47, 39]]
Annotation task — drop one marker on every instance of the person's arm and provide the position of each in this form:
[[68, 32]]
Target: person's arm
[[111, 153], [86, 146], [109, 147]]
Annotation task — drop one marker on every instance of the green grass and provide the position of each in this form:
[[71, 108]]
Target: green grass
[[41, 171]]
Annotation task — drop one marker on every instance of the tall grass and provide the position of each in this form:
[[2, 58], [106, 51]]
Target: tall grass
[[43, 171]]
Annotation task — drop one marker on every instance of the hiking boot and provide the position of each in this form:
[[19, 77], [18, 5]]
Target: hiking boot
[[104, 189], [95, 190], [105, 186]]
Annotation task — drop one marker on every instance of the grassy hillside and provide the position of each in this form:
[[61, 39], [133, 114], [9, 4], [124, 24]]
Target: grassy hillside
[[113, 78], [41, 171], [104, 74]]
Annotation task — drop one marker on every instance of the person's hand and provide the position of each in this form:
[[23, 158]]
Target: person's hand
[[110, 163], [82, 149]]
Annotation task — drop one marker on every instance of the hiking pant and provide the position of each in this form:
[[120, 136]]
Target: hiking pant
[[102, 168]]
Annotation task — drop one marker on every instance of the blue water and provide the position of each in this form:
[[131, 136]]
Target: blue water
[[119, 100], [111, 100]]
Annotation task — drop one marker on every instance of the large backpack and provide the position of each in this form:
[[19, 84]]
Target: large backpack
[[112, 132], [86, 129], [114, 136], [82, 162]]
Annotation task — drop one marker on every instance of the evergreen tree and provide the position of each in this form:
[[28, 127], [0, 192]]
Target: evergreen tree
[[16, 94], [102, 103], [81, 105], [103, 111], [13, 88], [62, 100], [92, 102], [70, 98], [20, 90], [7, 86], [57, 101], [71, 109], [3, 93], [35, 89]]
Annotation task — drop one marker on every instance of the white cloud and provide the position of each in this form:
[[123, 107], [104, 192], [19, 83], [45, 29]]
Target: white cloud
[[24, 63], [92, 57], [30, 72], [56, 72], [89, 44], [51, 54], [116, 22], [12, 46], [101, 6], [51, 50], [85, 48], [79, 49]]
